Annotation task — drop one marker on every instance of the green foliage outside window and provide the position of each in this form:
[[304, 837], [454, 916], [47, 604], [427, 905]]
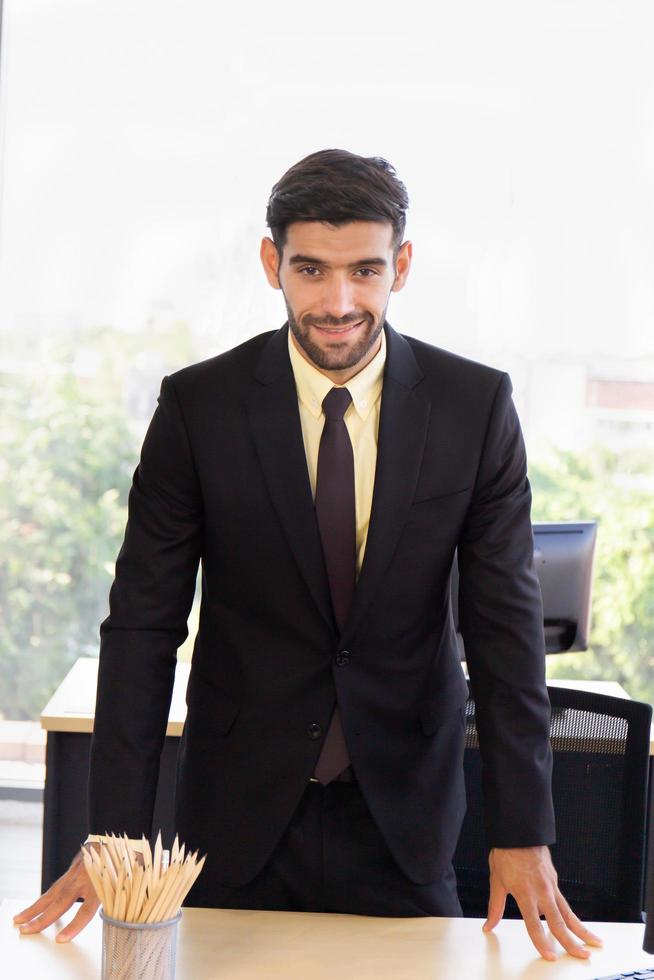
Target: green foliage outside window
[[66, 461], [68, 449]]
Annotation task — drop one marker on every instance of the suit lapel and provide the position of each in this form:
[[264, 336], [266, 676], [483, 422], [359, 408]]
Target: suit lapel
[[277, 431], [403, 421]]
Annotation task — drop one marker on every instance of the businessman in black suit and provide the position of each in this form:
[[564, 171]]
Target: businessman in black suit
[[324, 474]]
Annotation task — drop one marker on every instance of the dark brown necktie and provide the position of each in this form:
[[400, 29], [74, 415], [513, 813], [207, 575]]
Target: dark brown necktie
[[337, 524]]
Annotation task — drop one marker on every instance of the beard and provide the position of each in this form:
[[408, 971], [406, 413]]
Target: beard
[[341, 356]]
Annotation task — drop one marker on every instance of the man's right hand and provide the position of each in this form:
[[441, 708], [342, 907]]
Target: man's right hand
[[74, 884]]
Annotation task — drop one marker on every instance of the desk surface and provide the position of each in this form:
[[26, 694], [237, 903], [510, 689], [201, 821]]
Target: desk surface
[[71, 707], [224, 944]]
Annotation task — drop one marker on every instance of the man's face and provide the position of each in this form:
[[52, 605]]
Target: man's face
[[336, 284]]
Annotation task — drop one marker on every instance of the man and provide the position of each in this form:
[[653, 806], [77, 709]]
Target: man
[[324, 474]]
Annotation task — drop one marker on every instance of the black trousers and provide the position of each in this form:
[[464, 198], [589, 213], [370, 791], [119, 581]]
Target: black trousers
[[332, 858]]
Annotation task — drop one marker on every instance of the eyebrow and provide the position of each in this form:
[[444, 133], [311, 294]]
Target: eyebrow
[[311, 260]]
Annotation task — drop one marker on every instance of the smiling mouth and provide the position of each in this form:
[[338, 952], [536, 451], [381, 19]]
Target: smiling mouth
[[339, 331]]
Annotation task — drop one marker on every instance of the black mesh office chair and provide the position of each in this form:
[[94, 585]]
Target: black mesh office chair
[[599, 783]]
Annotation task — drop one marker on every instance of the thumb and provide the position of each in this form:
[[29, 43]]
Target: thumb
[[496, 904]]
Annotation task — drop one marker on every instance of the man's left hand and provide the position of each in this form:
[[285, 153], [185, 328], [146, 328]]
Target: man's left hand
[[528, 874]]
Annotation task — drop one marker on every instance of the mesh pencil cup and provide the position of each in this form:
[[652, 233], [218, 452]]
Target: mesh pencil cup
[[138, 950]]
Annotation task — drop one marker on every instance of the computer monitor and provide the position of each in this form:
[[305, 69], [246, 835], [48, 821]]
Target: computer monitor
[[563, 556]]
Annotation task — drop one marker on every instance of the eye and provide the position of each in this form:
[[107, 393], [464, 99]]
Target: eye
[[371, 272], [309, 269]]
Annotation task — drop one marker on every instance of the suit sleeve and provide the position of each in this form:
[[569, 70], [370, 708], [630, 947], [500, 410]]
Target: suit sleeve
[[149, 604], [501, 620]]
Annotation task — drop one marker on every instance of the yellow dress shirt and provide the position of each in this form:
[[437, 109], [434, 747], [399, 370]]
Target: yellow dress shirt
[[361, 420]]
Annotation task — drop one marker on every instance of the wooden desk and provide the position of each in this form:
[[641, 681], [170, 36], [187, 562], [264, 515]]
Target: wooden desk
[[223, 944], [72, 706]]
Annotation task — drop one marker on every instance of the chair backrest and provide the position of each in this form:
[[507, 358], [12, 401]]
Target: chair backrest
[[599, 786]]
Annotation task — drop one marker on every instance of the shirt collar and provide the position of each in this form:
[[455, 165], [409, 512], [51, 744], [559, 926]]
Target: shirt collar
[[312, 385]]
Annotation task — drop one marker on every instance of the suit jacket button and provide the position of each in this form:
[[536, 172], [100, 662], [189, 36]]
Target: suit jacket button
[[314, 731], [343, 658]]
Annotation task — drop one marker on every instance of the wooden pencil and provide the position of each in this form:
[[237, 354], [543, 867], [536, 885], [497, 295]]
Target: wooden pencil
[[136, 882], [108, 890], [156, 861], [107, 860], [192, 870], [112, 851], [153, 895], [140, 898], [163, 898], [127, 852], [93, 874], [147, 851], [174, 900]]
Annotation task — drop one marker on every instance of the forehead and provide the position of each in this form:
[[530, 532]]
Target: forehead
[[344, 244]]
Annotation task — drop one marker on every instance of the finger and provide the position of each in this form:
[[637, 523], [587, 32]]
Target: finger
[[35, 909], [68, 879], [53, 904], [50, 914], [496, 905], [575, 924], [535, 929], [558, 929], [83, 917]]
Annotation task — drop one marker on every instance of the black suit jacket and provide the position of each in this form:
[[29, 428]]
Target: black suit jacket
[[223, 479]]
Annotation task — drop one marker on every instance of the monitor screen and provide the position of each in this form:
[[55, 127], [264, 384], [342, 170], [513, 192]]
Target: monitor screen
[[563, 556]]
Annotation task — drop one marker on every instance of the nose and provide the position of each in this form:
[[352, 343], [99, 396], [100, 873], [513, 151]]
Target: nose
[[338, 297]]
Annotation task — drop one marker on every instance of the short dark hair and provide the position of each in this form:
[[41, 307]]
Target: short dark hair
[[336, 187]]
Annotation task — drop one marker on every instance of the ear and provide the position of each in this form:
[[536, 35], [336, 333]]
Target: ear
[[402, 264], [270, 262]]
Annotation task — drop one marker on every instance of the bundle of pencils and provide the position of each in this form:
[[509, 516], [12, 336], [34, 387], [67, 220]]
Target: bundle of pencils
[[140, 886]]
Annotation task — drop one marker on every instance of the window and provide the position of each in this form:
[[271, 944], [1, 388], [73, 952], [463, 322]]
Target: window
[[140, 143]]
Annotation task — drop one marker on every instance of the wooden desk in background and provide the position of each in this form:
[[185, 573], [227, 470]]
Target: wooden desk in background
[[68, 720], [225, 944]]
